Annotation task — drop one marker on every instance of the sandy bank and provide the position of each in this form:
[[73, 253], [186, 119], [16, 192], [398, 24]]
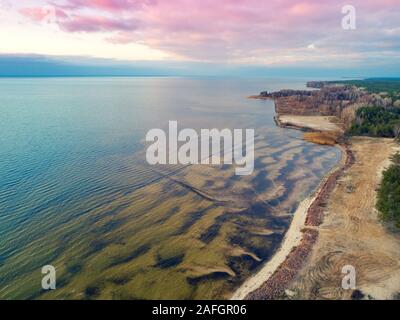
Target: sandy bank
[[291, 240], [351, 234], [314, 123], [319, 129], [276, 274]]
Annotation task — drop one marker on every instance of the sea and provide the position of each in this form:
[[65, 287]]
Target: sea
[[76, 192]]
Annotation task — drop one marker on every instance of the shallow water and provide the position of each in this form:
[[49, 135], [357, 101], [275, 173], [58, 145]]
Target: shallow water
[[76, 192]]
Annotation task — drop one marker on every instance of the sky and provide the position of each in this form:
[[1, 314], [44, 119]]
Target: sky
[[301, 37]]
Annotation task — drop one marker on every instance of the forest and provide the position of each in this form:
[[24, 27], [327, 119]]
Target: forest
[[389, 193], [377, 122]]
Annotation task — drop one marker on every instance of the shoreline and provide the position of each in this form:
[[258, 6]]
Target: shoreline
[[279, 123], [353, 234], [273, 278], [308, 264]]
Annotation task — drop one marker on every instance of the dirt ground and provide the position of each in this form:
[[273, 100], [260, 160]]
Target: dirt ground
[[315, 123], [351, 234], [321, 129]]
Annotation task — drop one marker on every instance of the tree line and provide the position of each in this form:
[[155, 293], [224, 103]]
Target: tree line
[[377, 122], [388, 202]]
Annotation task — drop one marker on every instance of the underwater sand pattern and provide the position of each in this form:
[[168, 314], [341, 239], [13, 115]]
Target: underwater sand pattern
[[184, 232]]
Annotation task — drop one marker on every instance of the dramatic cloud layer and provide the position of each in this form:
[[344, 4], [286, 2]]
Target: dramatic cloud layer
[[241, 31]]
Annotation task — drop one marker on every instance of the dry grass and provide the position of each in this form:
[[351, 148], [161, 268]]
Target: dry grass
[[329, 138]]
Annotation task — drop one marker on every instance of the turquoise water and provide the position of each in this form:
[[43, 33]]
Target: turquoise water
[[69, 146]]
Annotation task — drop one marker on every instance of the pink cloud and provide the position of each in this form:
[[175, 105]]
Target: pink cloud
[[109, 5], [97, 23], [39, 13], [228, 29], [303, 9]]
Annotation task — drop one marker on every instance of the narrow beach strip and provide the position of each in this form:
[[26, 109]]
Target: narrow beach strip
[[271, 281]]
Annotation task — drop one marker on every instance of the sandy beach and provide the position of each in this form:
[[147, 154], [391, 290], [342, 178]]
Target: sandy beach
[[296, 233], [313, 123], [352, 234], [292, 239], [324, 130], [349, 233], [338, 225]]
